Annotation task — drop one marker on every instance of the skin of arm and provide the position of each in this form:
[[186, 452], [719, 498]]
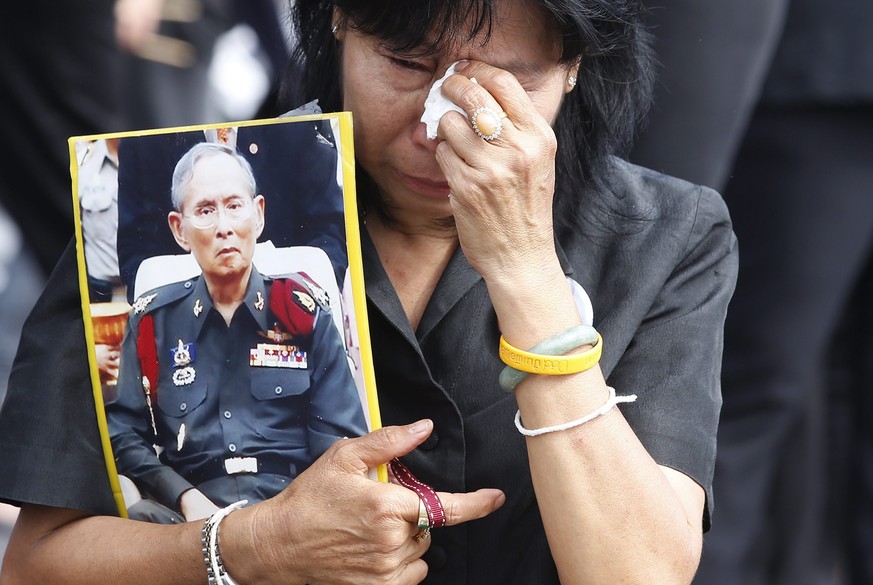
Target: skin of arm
[[333, 524], [611, 513]]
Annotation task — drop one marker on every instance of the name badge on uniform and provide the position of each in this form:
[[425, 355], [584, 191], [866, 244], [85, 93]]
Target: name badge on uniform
[[270, 355]]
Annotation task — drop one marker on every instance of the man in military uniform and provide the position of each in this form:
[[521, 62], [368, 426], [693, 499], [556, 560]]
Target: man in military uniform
[[231, 383]]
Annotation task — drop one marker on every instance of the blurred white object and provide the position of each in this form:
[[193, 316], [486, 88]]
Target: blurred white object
[[10, 247], [238, 75]]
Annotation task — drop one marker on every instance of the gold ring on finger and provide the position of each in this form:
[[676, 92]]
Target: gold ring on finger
[[423, 523], [486, 123]]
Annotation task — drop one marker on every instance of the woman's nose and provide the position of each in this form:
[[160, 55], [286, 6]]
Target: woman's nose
[[419, 137]]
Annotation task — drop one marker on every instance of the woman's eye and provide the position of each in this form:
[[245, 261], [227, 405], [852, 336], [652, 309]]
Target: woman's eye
[[409, 65]]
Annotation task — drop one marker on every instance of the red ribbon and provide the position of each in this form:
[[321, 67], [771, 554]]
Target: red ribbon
[[436, 514]]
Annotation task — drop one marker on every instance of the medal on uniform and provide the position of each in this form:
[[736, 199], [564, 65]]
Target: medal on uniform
[[274, 355], [276, 335], [198, 308], [259, 304], [142, 303], [183, 356], [184, 376]]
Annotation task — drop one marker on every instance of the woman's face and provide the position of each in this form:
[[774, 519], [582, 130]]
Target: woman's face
[[386, 93]]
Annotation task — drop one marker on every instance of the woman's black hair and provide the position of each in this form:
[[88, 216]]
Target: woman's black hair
[[597, 119]]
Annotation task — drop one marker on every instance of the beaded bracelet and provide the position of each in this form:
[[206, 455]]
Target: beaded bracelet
[[211, 553], [607, 406], [546, 357]]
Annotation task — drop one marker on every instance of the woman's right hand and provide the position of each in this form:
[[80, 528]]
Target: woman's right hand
[[334, 524]]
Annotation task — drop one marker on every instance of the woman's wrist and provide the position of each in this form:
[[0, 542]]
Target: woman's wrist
[[245, 549], [533, 305]]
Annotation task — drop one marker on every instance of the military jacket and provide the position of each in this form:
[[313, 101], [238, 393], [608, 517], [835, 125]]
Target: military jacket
[[250, 399]]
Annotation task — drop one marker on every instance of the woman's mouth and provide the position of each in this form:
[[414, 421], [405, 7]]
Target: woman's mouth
[[426, 186]]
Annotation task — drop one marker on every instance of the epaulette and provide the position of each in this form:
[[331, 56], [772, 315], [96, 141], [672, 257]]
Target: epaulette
[[315, 290], [160, 297]]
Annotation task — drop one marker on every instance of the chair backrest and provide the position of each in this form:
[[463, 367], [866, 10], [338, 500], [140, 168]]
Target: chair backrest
[[268, 259]]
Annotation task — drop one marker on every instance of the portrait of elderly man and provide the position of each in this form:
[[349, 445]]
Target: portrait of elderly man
[[231, 383]]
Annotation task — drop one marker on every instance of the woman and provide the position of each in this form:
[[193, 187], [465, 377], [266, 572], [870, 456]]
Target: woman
[[460, 248]]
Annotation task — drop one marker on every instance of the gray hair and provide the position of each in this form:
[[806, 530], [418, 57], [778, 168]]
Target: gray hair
[[185, 168]]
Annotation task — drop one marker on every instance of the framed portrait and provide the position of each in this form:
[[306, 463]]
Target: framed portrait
[[223, 297]]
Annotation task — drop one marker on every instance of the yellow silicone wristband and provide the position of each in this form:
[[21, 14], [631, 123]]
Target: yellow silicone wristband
[[550, 365]]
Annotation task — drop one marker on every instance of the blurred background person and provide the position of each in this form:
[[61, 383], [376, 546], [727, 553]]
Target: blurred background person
[[801, 198], [198, 61], [793, 480], [98, 212], [713, 58]]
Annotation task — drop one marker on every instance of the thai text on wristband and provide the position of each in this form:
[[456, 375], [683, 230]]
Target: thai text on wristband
[[545, 357]]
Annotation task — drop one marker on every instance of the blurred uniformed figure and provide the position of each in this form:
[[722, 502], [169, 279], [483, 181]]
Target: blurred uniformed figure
[[231, 383]]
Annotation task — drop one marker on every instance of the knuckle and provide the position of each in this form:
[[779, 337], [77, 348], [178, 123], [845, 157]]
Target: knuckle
[[386, 437], [503, 80], [341, 456], [471, 97], [382, 508], [454, 511]]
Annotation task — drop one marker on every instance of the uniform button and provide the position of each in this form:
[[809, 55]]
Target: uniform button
[[278, 389], [231, 448], [431, 442], [183, 407], [188, 284], [227, 362], [227, 414]]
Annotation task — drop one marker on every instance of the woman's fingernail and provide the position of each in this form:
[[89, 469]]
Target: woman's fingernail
[[461, 65], [420, 427]]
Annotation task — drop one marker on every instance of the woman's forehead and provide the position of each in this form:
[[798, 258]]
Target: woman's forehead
[[455, 26]]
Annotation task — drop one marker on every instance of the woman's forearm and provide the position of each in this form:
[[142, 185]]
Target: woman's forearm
[[610, 513], [60, 546]]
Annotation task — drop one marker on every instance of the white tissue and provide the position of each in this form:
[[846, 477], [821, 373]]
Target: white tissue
[[436, 105]]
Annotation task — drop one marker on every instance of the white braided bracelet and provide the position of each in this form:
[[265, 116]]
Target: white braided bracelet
[[211, 554], [607, 406]]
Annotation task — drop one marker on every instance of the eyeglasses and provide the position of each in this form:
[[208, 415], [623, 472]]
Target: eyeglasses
[[206, 216]]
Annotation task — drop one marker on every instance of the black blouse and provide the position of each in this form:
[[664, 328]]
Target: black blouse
[[660, 276]]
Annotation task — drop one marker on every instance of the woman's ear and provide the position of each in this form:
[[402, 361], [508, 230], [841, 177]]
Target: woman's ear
[[260, 204], [175, 220]]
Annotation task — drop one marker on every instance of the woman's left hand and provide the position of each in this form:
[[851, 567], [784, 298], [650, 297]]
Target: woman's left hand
[[501, 189]]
